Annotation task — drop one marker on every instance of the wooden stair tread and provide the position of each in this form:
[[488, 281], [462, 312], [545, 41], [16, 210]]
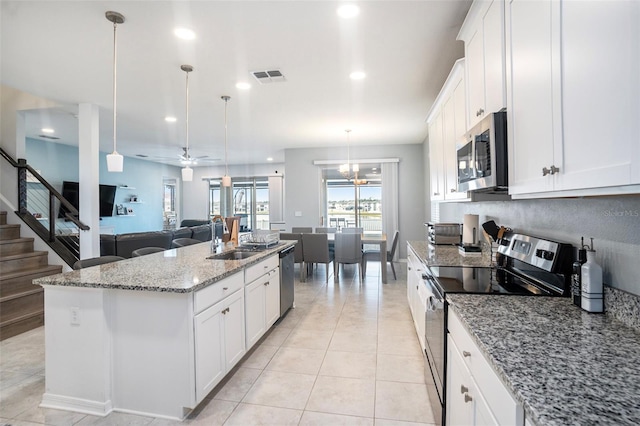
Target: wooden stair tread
[[23, 255], [36, 290], [16, 240], [43, 271], [21, 318], [9, 226]]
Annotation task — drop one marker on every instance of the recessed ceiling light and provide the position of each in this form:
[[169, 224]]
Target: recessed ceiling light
[[348, 11], [170, 119], [243, 85], [270, 159], [357, 75], [47, 130], [184, 33]]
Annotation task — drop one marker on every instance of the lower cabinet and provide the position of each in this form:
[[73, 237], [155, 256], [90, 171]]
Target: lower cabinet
[[219, 341], [262, 298], [475, 393], [416, 294], [262, 301]]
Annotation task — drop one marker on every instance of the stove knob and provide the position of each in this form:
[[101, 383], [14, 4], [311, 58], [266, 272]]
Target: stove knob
[[544, 254]]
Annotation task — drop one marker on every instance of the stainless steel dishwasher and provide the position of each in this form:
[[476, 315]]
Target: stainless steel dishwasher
[[286, 280]]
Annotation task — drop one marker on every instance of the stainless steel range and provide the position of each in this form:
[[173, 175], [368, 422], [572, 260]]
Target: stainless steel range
[[526, 265]]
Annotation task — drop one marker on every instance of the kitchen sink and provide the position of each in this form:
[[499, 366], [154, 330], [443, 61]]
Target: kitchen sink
[[233, 255]]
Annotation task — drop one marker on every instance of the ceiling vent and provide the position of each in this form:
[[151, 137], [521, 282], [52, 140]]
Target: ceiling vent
[[53, 138], [269, 76]]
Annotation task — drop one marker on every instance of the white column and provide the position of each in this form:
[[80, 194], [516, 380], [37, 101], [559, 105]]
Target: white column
[[89, 174]]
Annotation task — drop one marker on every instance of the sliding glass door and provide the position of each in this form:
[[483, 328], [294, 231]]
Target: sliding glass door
[[249, 200]]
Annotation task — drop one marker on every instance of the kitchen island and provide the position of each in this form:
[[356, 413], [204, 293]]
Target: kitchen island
[[153, 335], [564, 365]]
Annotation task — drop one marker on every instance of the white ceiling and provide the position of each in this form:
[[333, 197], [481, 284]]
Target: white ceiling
[[63, 51]]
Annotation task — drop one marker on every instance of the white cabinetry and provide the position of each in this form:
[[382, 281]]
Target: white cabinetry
[[447, 123], [475, 394], [416, 294], [262, 298], [483, 36], [572, 97], [218, 332]]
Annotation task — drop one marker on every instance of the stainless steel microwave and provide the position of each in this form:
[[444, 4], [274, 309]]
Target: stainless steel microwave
[[482, 155]]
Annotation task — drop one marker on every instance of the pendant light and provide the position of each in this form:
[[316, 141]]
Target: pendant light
[[115, 161], [187, 172], [347, 168], [226, 179]]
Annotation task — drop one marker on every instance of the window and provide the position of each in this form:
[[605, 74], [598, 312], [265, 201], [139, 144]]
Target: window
[[169, 200], [249, 200], [354, 202]]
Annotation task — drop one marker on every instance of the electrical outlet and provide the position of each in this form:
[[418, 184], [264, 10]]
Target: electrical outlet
[[75, 316]]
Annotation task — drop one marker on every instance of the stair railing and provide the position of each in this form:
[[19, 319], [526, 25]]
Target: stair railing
[[44, 198]]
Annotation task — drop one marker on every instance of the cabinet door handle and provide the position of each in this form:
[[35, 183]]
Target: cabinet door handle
[[452, 190], [467, 398], [266, 283], [436, 193], [224, 311], [466, 354], [464, 389], [550, 171], [479, 112], [409, 267], [225, 288]]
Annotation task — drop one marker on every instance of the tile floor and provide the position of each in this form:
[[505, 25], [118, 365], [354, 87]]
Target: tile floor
[[346, 355]]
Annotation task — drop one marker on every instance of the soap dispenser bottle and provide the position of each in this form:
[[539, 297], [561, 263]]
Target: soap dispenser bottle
[[592, 290]]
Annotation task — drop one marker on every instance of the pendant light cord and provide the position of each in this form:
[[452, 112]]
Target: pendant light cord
[[187, 121], [115, 56], [226, 163]]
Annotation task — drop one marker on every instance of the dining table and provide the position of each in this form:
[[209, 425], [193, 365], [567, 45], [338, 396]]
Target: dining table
[[374, 239]]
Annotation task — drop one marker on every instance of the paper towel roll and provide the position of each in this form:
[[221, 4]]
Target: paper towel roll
[[470, 229]]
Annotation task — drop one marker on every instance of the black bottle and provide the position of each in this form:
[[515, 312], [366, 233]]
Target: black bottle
[[576, 278]]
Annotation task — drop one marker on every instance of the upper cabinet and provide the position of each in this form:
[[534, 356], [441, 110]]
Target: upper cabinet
[[572, 97], [447, 124], [483, 36]]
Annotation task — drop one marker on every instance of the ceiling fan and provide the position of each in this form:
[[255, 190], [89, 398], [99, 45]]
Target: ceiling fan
[[188, 159]]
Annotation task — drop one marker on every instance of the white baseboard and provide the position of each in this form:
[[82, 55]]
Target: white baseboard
[[77, 405]]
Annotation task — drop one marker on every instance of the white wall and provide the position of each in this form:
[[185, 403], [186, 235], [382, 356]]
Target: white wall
[[302, 185]]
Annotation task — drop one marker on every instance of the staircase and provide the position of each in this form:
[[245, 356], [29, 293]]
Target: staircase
[[21, 302]]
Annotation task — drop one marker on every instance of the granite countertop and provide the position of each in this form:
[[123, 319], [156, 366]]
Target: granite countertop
[[181, 270], [447, 255], [564, 365]]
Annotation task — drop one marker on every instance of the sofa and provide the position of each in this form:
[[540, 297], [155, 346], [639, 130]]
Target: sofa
[[124, 244]]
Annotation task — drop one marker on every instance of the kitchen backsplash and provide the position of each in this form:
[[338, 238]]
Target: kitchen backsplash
[[613, 222]]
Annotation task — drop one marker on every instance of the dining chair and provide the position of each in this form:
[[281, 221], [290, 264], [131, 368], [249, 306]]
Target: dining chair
[[183, 242], [297, 251], [101, 260], [348, 250], [375, 256], [326, 230], [301, 230], [146, 250], [333, 222], [315, 249], [353, 230]]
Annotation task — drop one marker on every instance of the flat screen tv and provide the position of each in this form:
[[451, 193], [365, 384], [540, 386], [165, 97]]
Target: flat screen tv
[[71, 191]]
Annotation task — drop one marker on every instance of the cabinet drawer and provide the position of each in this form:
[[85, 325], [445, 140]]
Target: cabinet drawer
[[259, 269], [218, 291], [505, 409]]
